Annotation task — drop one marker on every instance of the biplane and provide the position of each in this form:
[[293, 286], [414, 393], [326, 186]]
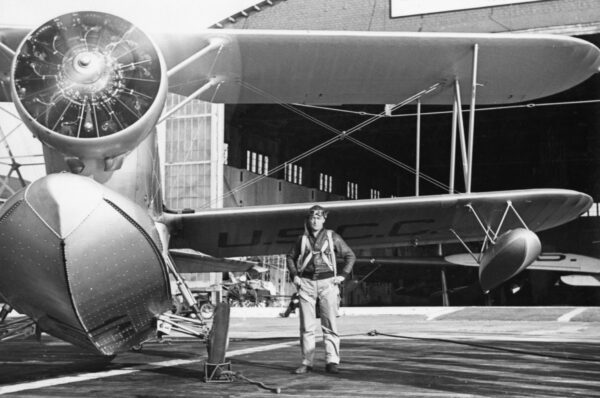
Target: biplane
[[87, 251]]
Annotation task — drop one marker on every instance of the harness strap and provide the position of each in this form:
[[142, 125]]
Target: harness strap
[[305, 247], [333, 264]]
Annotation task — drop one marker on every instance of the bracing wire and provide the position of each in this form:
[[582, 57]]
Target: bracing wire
[[530, 105], [339, 136]]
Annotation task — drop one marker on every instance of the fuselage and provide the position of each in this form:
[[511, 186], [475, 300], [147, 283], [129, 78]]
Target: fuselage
[[79, 249]]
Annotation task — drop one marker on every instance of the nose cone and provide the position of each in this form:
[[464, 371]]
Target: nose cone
[[87, 67], [63, 201], [83, 262]]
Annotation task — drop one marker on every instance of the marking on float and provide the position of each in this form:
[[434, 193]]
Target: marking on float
[[571, 314], [129, 370]]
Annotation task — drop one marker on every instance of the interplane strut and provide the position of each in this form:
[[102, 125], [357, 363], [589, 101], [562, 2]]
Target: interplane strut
[[490, 233]]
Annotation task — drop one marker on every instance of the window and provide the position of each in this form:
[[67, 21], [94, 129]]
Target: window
[[375, 194], [325, 182], [260, 164], [352, 190], [293, 173], [257, 162]]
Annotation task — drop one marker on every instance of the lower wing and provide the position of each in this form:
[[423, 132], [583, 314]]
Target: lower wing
[[263, 230]]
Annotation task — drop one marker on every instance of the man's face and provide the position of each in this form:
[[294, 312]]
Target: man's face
[[315, 222]]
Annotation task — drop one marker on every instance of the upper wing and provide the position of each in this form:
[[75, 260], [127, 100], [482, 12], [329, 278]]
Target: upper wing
[[262, 230], [327, 67], [375, 68], [321, 67]]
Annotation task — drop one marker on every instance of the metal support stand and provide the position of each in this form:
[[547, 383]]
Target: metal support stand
[[218, 372]]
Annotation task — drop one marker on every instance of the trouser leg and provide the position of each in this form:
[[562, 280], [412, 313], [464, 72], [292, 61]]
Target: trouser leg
[[328, 298], [308, 321]]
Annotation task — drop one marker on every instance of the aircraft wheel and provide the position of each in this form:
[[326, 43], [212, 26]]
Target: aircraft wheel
[[177, 306]]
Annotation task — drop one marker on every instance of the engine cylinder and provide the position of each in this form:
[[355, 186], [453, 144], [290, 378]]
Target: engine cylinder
[[89, 84]]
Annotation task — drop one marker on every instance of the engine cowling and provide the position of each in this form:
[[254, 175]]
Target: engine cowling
[[90, 85], [513, 251]]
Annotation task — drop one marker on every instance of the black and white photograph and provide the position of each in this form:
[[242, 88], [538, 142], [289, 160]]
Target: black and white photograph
[[300, 198]]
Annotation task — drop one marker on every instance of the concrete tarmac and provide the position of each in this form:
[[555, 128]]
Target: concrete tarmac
[[456, 352]]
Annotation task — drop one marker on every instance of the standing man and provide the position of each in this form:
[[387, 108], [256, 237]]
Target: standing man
[[312, 265]]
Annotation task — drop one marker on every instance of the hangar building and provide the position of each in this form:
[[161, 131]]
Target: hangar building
[[239, 155]]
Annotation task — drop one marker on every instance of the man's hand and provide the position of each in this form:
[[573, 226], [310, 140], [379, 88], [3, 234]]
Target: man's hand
[[297, 282], [338, 279]]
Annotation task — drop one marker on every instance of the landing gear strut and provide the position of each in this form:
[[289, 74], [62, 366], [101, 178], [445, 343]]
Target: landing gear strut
[[20, 327], [215, 337], [216, 369]]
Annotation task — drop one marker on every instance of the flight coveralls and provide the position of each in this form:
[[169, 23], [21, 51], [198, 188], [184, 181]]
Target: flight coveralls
[[313, 259]]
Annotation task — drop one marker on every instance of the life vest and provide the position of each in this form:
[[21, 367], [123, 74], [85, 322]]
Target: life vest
[[307, 252]]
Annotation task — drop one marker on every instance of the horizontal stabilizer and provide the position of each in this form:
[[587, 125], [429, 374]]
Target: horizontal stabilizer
[[566, 262], [563, 262], [189, 261], [581, 280]]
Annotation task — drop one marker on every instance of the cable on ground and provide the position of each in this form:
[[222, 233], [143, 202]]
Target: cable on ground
[[240, 376], [487, 347]]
